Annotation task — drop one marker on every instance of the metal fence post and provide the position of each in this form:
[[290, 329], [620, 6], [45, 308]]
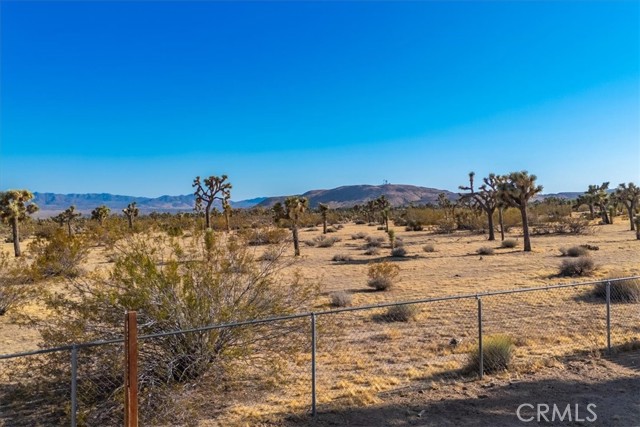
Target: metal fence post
[[609, 317], [480, 350], [74, 385], [313, 364], [131, 370]]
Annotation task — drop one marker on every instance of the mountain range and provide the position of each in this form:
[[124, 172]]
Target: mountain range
[[399, 195]]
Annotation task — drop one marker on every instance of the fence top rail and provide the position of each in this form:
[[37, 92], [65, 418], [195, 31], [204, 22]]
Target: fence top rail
[[317, 313]]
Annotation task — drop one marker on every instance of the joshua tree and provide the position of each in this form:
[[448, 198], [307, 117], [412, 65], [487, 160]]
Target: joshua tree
[[215, 188], [294, 207], [597, 195], [131, 211], [516, 191], [628, 195], [100, 213], [67, 217], [383, 205], [278, 212], [445, 204], [370, 209], [486, 199], [323, 211], [228, 211], [637, 221], [14, 208]]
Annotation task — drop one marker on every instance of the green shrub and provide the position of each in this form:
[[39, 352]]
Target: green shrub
[[429, 247], [14, 282], [623, 291], [509, 243], [341, 299], [381, 275], [61, 255], [581, 266], [497, 354], [485, 250], [399, 313]]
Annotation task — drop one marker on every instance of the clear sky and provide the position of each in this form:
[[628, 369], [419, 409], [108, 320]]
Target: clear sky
[[138, 98]]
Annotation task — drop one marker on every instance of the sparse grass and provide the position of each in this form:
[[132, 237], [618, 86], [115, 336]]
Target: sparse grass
[[485, 250], [623, 291], [574, 251], [581, 266], [341, 299], [509, 243], [342, 258], [497, 354]]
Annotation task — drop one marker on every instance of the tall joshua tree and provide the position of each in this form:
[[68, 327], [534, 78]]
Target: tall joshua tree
[[215, 188], [383, 205], [294, 207], [324, 209], [598, 196], [486, 199], [67, 217], [516, 191], [14, 208], [100, 213], [131, 211], [628, 195], [278, 212]]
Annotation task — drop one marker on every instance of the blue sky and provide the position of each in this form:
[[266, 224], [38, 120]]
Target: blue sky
[[138, 98]]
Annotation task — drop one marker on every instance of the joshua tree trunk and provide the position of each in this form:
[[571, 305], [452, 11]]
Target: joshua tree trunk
[[501, 220], [324, 224], [69, 228], [631, 209], [296, 242], [492, 234], [591, 212], [16, 237], [207, 216], [605, 217], [525, 229], [130, 219], [226, 221]]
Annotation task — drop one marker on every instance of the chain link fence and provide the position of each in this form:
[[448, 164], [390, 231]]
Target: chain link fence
[[309, 363]]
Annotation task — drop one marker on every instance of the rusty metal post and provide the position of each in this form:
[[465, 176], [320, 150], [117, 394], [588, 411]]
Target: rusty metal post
[[131, 370]]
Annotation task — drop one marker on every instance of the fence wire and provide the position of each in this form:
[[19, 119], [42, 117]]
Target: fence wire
[[222, 375]]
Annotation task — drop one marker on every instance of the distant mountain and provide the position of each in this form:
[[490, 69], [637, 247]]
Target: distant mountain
[[51, 204], [349, 195]]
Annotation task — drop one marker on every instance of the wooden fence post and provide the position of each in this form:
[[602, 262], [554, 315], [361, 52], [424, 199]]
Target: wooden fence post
[[130, 370]]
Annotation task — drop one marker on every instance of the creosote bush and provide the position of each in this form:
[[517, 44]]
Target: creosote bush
[[373, 242], [359, 235], [497, 354], [382, 275], [485, 250], [581, 266], [574, 251], [341, 299], [429, 247], [323, 241], [59, 256], [399, 252], [623, 291], [14, 282], [509, 243], [213, 279], [399, 313], [372, 251]]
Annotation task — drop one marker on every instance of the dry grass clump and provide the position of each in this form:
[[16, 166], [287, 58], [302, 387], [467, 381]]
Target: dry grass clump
[[625, 291], [323, 241], [359, 235], [342, 258], [271, 254], [381, 275], [265, 236], [399, 252], [429, 247], [485, 250], [341, 299], [373, 242], [574, 251], [398, 313], [372, 251], [581, 266], [509, 243], [497, 354]]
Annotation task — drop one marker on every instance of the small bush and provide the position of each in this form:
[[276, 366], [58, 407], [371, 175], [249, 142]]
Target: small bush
[[360, 222], [341, 258], [429, 247], [372, 251], [574, 251], [625, 291], [374, 242], [14, 281], [497, 353], [341, 299], [413, 225], [381, 275], [323, 241], [590, 247], [266, 236], [271, 254], [331, 230], [380, 228], [358, 236], [61, 255], [509, 243], [399, 313], [581, 266], [399, 242], [399, 252], [485, 250]]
